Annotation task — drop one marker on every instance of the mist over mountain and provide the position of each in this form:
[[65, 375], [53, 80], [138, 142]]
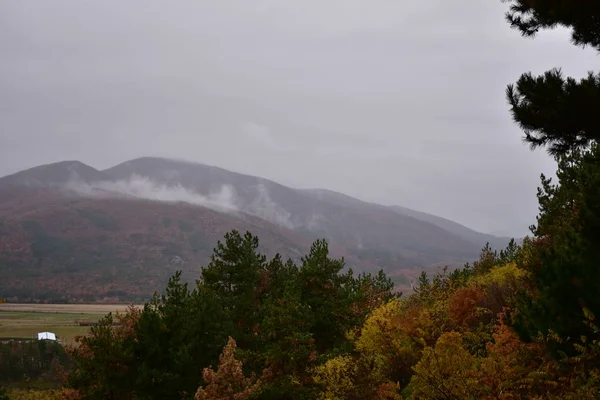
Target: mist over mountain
[[139, 203]]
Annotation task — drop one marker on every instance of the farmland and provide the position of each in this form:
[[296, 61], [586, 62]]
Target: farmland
[[65, 320]]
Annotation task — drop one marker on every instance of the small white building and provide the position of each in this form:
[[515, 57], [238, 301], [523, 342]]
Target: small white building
[[46, 336]]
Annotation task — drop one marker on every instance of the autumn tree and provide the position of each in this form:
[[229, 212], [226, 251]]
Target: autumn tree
[[228, 381]]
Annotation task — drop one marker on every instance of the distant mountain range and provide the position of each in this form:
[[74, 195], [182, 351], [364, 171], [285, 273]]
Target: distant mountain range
[[70, 231]]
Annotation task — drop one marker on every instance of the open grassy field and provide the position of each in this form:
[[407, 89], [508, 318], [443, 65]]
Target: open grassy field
[[26, 320]]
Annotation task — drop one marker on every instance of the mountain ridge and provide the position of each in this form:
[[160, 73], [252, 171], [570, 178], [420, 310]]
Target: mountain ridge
[[126, 199]]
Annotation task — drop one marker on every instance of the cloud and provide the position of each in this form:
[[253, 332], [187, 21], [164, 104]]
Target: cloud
[[263, 206], [223, 200]]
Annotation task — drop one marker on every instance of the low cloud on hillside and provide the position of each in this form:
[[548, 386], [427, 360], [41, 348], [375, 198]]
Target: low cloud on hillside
[[145, 188], [223, 200]]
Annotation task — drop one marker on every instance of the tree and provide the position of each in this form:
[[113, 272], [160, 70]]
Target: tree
[[562, 114], [236, 273], [177, 335], [564, 272], [156, 352], [104, 363], [445, 371], [330, 295], [553, 111], [285, 320], [228, 382]]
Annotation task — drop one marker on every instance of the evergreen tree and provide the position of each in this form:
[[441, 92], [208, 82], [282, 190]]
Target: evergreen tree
[[565, 277], [105, 365], [177, 335], [557, 112], [285, 319], [561, 114], [325, 291], [237, 274], [158, 352]]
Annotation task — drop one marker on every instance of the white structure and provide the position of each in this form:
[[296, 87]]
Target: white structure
[[46, 335]]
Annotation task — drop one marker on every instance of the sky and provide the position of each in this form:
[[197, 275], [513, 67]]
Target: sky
[[388, 101]]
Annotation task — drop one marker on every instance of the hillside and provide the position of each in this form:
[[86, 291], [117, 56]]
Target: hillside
[[54, 244], [68, 229], [478, 238], [369, 231]]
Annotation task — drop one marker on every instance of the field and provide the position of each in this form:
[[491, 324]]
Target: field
[[26, 320]]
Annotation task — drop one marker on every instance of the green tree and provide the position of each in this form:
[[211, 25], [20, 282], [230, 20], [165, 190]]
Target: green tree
[[561, 114], [285, 320], [565, 277], [158, 352], [286, 345], [236, 273], [510, 253], [105, 366], [553, 111], [177, 335], [325, 291]]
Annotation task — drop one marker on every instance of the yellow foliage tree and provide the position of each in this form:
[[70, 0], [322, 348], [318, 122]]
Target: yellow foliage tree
[[350, 378], [391, 339], [336, 377], [445, 371], [501, 275]]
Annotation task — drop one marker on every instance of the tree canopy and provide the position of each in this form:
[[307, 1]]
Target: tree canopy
[[554, 111]]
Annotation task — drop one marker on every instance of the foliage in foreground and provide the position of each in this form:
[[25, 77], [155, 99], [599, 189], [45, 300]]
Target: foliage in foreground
[[283, 319]]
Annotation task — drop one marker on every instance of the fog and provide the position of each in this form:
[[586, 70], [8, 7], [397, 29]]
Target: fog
[[391, 102], [223, 200]]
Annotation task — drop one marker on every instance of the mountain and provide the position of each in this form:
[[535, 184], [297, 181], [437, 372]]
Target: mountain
[[69, 229], [55, 174], [477, 238], [368, 231]]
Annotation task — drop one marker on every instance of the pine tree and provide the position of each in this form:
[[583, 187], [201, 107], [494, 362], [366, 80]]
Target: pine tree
[[554, 111], [565, 277], [177, 335], [562, 115], [236, 273], [325, 291]]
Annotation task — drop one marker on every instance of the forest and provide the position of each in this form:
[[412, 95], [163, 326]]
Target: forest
[[516, 324]]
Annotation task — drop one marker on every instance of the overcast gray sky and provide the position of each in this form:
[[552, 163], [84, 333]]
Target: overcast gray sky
[[390, 101]]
